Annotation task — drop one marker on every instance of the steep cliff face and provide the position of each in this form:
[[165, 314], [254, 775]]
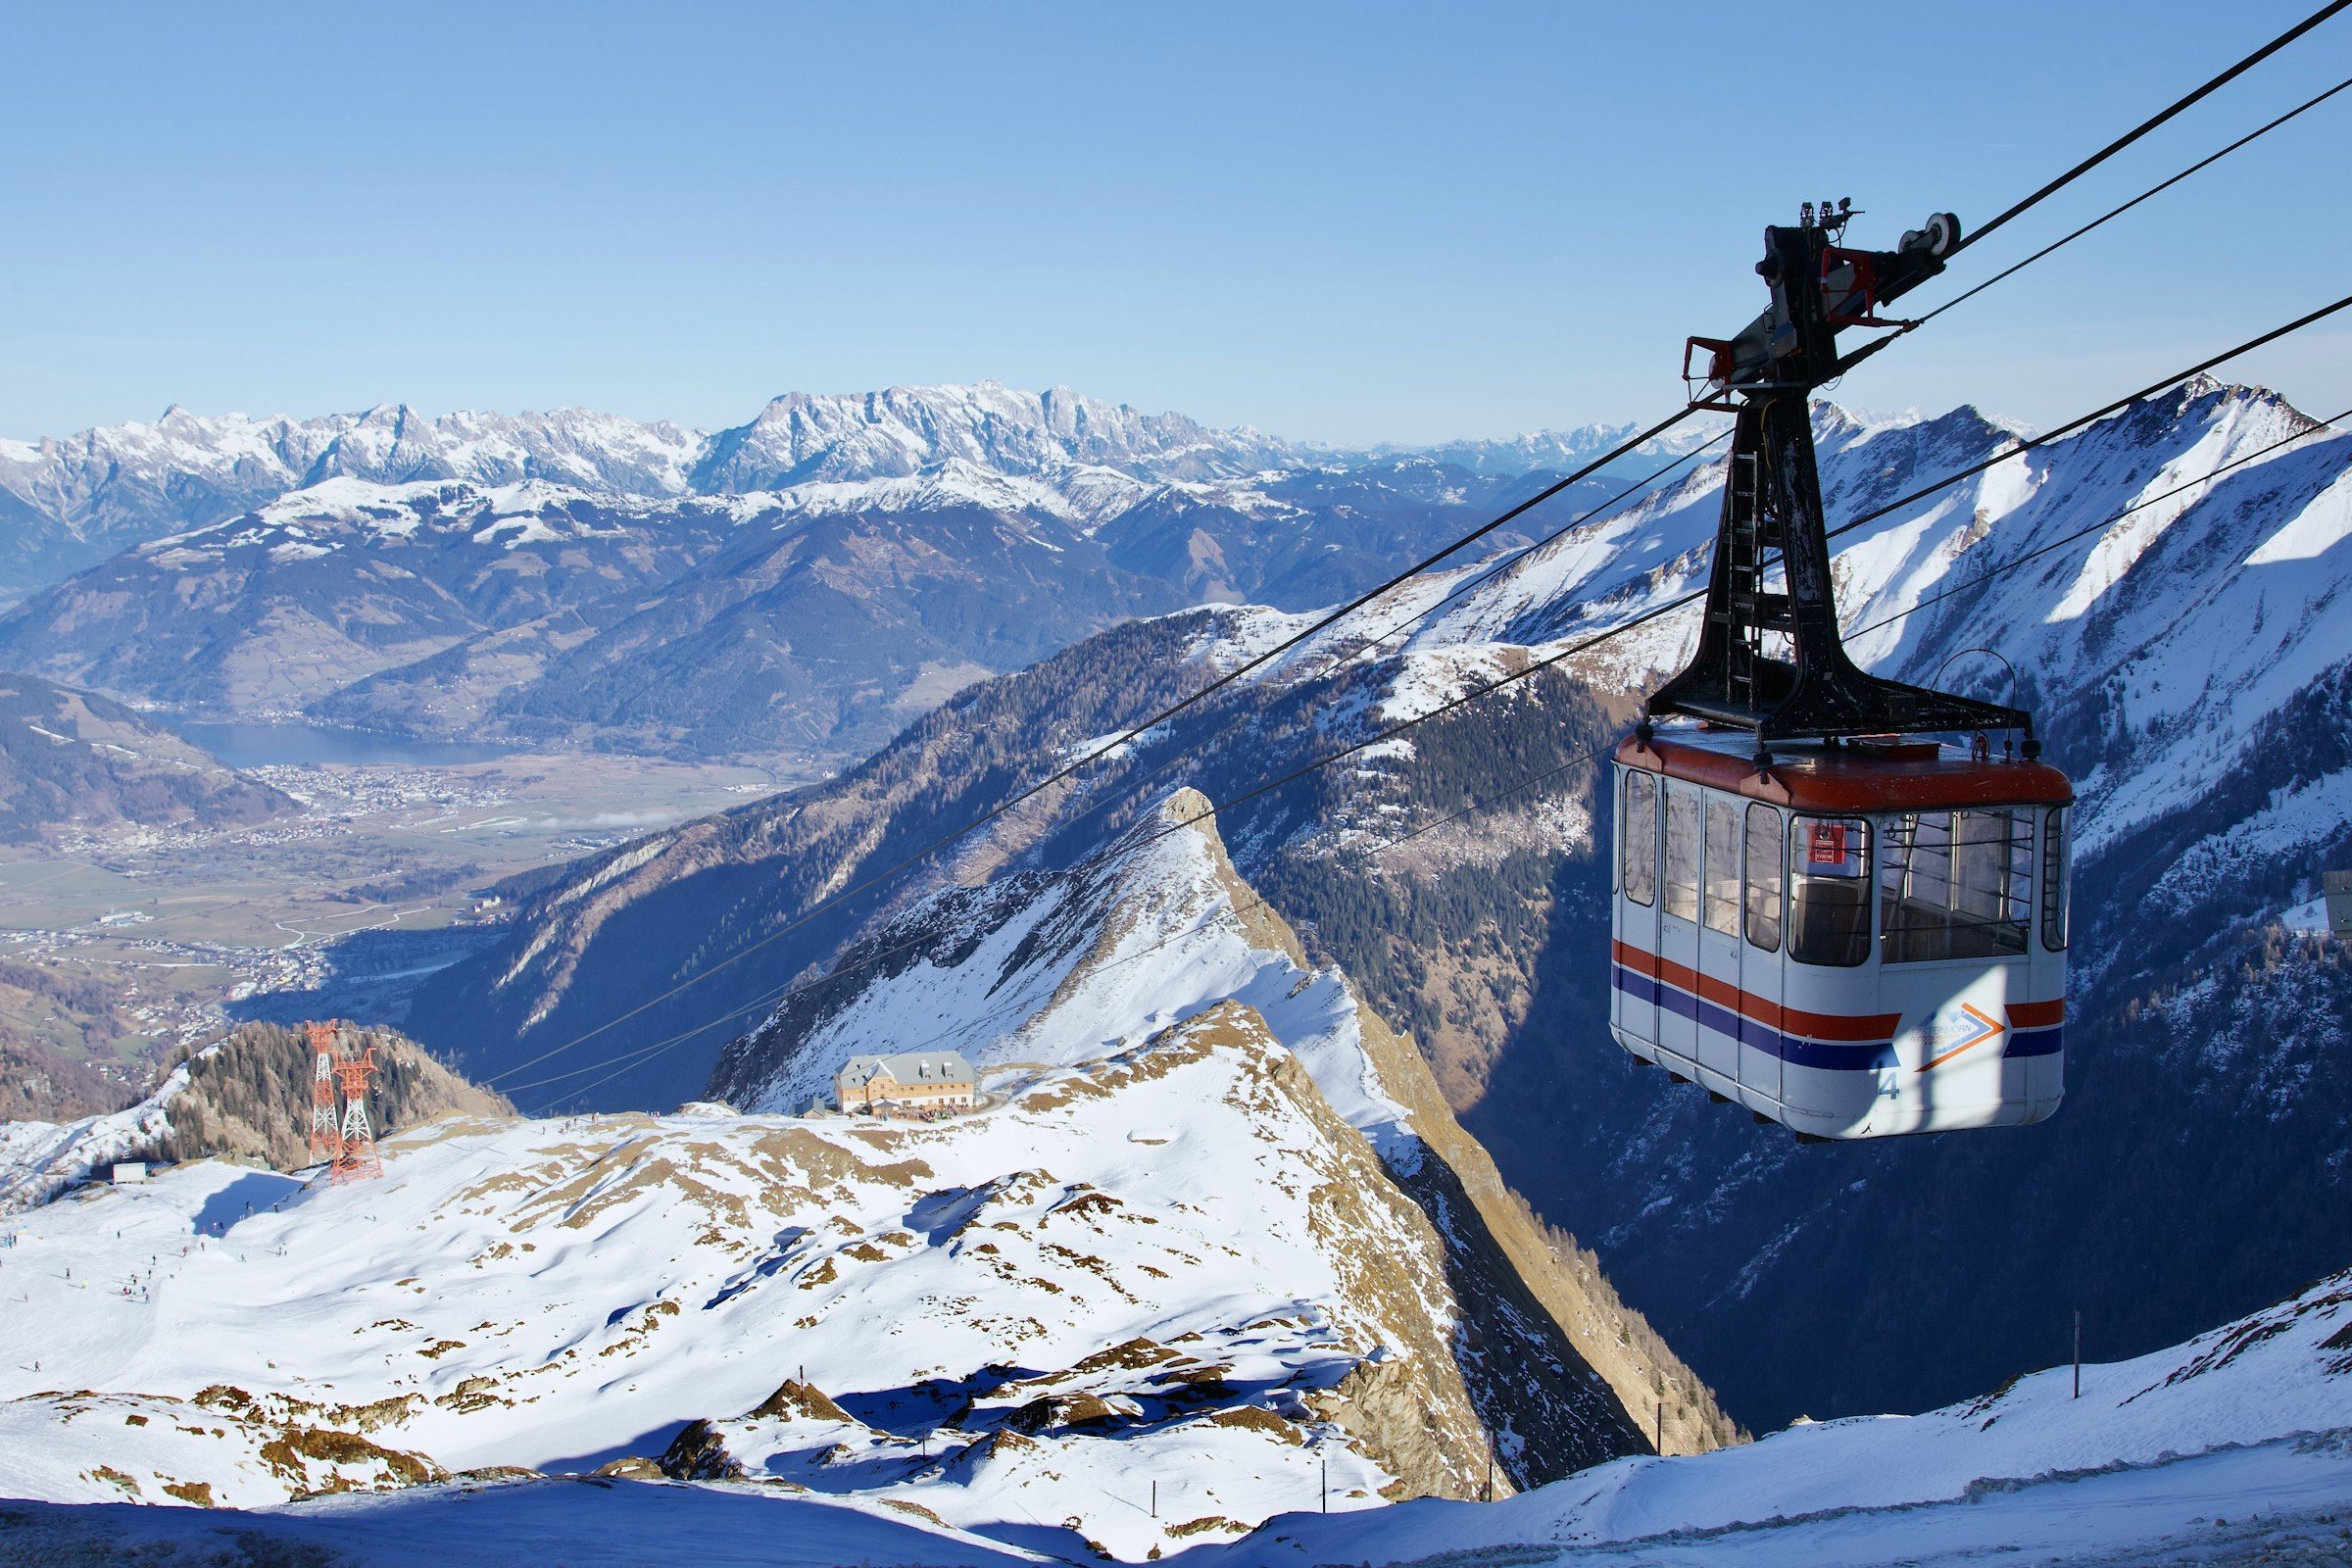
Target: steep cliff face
[[1052, 969]]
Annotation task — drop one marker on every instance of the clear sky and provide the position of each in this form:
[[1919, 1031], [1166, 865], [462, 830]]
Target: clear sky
[[1346, 223]]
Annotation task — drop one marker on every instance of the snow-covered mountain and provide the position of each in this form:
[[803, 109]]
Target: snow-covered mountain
[[2188, 662], [799, 437], [806, 623], [68, 503], [1175, 1259], [1559, 450], [74, 501], [2235, 1446], [245, 1096]]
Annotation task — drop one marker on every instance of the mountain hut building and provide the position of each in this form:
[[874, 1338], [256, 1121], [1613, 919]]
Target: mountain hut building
[[909, 1082]]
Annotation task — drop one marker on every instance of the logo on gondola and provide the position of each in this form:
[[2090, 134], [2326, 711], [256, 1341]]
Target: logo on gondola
[[1957, 1034]]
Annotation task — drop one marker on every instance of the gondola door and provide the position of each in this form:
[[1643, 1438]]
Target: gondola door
[[1677, 923], [1760, 922], [1636, 950], [1719, 942]]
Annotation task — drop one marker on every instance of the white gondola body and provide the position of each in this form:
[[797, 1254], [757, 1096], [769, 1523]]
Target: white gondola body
[[1856, 943]]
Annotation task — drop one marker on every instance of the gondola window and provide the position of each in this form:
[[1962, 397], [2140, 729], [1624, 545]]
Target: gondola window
[[1682, 855], [1764, 877], [1955, 885], [1641, 838], [1723, 867], [1829, 888], [2053, 879]]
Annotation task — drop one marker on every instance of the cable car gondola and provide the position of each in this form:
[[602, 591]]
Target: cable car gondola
[[1820, 910]]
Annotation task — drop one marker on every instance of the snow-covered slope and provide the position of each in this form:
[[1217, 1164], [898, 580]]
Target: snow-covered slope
[[2234, 1447], [1058, 970], [2256, 1412], [1175, 1250], [40, 1159], [2191, 675], [1030, 972]]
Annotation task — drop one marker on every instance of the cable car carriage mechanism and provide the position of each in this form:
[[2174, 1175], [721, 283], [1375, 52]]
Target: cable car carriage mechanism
[[1822, 910]]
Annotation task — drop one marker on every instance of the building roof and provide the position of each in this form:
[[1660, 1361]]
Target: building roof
[[1855, 777], [906, 1067]]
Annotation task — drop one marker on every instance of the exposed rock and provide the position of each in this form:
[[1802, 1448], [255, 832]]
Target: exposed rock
[[700, 1454], [794, 1398]]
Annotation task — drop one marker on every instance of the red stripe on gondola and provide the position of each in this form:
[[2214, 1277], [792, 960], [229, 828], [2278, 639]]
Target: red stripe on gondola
[[1788, 1021], [2037, 1015]]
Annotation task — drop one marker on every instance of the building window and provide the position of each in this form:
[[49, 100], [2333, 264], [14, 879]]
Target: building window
[[2054, 874], [1764, 877], [1682, 855], [1955, 885], [1829, 890], [1723, 867], [1641, 838]]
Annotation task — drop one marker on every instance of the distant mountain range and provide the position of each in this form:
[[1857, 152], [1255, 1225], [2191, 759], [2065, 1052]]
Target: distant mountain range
[[68, 503], [794, 588], [2189, 668]]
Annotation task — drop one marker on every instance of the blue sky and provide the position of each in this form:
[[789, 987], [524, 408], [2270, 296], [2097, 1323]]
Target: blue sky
[[1346, 223]]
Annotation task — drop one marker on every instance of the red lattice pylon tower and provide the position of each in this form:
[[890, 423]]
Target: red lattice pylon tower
[[327, 1138], [357, 1159]]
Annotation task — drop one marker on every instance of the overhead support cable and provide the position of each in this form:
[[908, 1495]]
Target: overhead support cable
[[2159, 118], [2069, 238]]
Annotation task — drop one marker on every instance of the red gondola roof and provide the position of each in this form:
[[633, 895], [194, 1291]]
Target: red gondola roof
[[1859, 777]]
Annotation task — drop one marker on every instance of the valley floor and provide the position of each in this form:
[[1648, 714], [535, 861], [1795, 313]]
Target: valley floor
[[118, 944]]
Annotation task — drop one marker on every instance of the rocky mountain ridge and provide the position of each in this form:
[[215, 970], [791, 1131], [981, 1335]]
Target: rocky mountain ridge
[[74, 501]]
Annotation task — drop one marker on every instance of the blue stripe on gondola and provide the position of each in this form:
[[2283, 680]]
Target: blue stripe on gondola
[[1836, 1056], [2034, 1043]]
